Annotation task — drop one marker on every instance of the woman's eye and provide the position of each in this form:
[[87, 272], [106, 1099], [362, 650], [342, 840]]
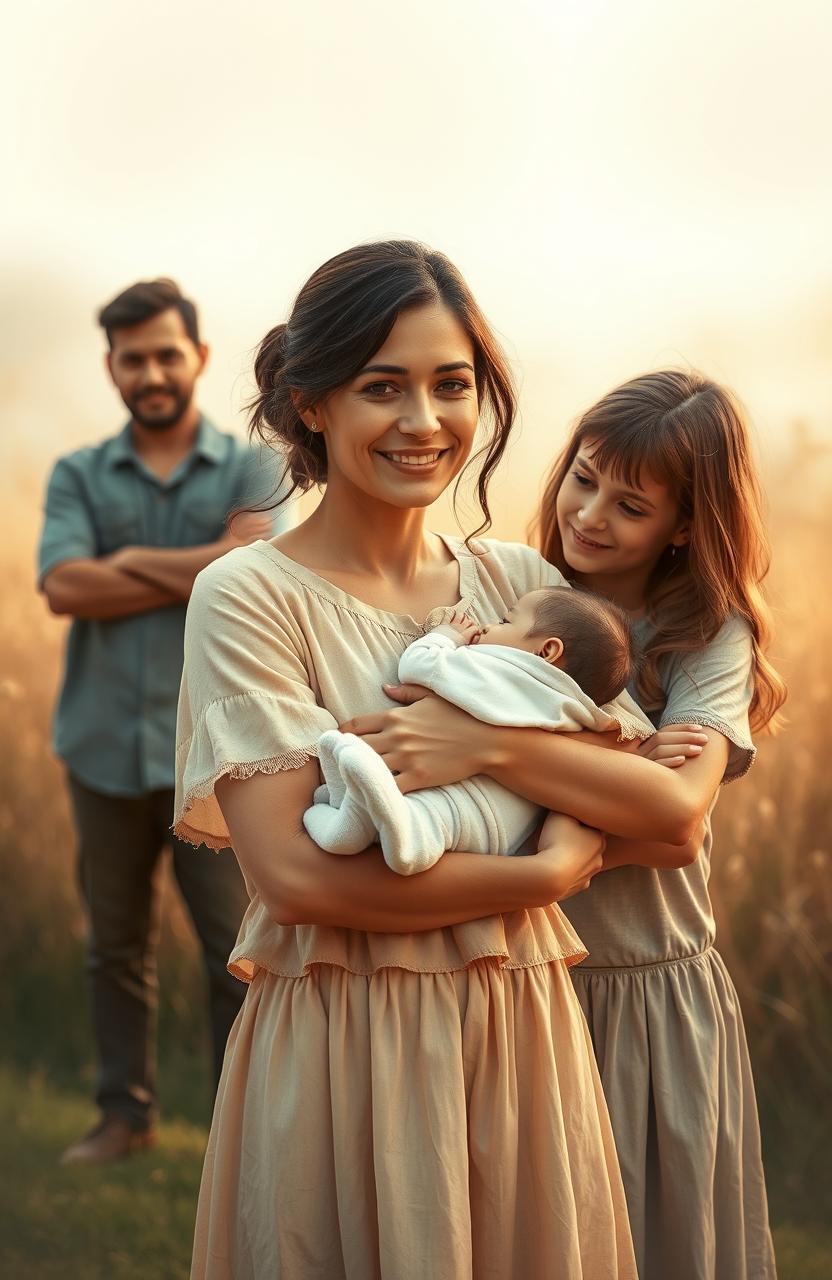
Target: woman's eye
[[454, 385], [379, 389], [582, 479]]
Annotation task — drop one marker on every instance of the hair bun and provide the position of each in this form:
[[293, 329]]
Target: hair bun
[[271, 358]]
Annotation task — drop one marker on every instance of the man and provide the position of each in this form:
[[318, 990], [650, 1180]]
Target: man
[[129, 524]]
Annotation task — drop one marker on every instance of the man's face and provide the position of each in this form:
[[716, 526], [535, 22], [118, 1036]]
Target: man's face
[[154, 366]]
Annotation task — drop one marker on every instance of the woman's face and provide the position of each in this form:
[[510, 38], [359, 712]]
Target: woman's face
[[608, 527], [402, 429]]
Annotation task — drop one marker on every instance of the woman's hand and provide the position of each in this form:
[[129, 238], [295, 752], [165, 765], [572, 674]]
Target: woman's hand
[[674, 745], [426, 742], [571, 854]]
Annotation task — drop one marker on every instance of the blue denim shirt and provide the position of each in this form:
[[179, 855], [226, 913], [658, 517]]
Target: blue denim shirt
[[115, 725]]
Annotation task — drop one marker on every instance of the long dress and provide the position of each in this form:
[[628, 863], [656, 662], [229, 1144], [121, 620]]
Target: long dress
[[667, 1028], [399, 1107]]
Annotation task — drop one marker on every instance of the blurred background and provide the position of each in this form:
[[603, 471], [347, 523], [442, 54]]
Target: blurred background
[[625, 186]]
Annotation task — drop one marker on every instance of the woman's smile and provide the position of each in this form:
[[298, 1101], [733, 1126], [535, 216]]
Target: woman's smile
[[414, 461]]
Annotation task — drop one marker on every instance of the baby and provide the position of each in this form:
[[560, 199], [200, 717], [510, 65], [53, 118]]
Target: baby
[[553, 663]]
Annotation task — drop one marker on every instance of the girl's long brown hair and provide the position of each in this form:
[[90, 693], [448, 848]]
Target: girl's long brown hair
[[690, 434]]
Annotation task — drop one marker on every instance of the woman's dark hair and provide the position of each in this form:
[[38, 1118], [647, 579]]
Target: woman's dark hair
[[341, 317], [143, 301]]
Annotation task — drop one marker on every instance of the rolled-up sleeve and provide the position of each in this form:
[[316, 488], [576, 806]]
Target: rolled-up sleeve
[[68, 532]]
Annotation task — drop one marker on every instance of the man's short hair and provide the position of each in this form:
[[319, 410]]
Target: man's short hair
[[598, 649], [145, 300]]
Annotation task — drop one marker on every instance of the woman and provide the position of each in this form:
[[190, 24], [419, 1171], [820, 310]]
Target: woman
[[409, 1090], [655, 504]]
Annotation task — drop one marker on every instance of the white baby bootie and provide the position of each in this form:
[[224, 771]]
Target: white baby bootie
[[337, 820]]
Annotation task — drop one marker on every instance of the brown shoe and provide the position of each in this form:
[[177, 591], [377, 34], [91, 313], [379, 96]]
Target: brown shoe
[[111, 1139]]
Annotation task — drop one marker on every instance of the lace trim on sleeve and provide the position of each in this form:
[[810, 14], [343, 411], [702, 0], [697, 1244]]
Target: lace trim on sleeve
[[204, 790], [744, 753]]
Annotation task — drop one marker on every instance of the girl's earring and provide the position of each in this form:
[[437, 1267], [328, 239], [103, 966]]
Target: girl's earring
[[313, 426], [673, 550]]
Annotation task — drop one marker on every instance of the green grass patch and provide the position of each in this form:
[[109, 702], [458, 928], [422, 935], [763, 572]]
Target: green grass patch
[[134, 1220], [127, 1221]]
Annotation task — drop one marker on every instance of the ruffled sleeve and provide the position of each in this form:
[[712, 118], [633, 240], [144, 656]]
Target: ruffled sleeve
[[714, 688], [246, 703]]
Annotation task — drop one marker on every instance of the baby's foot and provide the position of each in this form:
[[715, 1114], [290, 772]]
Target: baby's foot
[[328, 744], [337, 820], [410, 840]]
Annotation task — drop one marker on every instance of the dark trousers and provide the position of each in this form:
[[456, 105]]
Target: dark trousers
[[120, 840]]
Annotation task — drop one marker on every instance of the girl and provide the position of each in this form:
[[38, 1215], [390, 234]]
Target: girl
[[409, 1090], [655, 504]]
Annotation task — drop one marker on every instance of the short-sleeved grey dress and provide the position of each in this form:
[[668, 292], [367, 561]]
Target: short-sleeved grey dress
[[667, 1028], [392, 1106]]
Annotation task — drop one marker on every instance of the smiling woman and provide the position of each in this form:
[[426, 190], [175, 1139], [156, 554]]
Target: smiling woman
[[335, 361], [410, 1090]]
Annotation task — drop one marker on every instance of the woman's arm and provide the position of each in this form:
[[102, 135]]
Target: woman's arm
[[431, 743], [301, 884]]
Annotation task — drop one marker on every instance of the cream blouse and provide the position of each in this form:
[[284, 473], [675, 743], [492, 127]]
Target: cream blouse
[[275, 655]]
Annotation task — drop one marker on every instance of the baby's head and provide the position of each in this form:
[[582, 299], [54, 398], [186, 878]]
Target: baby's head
[[585, 635]]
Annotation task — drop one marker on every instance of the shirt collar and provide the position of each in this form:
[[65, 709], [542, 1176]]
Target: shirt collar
[[209, 442], [208, 445], [121, 448]]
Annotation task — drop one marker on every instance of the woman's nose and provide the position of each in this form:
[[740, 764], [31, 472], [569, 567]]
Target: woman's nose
[[420, 420]]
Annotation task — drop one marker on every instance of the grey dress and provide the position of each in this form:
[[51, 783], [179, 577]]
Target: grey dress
[[666, 1024]]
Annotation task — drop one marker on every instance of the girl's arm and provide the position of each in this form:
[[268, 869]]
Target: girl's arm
[[650, 853], [699, 777], [301, 884], [431, 743]]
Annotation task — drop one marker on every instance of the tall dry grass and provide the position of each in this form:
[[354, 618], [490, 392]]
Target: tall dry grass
[[772, 865], [42, 1000]]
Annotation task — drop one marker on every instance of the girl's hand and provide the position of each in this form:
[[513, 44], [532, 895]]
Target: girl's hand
[[573, 854], [426, 742], [674, 745]]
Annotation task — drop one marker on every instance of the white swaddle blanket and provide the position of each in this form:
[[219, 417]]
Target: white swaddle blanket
[[360, 801]]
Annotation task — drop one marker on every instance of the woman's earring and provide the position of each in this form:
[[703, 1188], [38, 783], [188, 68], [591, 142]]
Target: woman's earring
[[313, 426], [673, 552]]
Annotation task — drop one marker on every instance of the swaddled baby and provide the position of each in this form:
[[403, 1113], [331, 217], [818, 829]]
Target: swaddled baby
[[555, 662]]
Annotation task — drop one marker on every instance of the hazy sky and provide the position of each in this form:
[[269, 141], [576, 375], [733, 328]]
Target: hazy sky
[[624, 182]]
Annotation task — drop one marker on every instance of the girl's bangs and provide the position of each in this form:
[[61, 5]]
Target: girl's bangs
[[627, 449]]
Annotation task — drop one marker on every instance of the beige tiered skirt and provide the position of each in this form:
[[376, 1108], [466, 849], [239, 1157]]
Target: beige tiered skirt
[[412, 1126]]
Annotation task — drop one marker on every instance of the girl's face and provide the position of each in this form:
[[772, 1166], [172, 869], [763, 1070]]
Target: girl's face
[[402, 428], [609, 528]]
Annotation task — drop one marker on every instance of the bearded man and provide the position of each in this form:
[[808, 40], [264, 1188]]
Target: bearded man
[[129, 523]]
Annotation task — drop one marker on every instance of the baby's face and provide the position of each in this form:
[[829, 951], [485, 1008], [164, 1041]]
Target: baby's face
[[515, 627]]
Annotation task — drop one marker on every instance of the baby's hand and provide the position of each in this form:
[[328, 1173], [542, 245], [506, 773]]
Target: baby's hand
[[463, 626], [674, 745]]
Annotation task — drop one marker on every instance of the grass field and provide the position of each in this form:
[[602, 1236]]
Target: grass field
[[134, 1221]]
